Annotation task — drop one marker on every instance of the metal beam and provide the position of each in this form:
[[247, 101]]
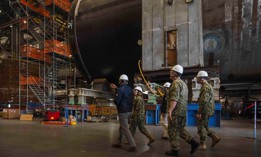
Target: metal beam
[[91, 93]]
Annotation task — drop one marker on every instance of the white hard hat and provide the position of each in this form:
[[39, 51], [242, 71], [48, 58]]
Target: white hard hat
[[167, 84], [178, 68], [138, 88], [202, 73], [124, 77]]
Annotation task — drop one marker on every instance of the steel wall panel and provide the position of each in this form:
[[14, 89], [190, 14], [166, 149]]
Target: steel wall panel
[[164, 17]]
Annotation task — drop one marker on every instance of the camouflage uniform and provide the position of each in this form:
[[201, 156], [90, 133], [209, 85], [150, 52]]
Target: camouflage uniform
[[137, 117], [206, 109], [179, 93]]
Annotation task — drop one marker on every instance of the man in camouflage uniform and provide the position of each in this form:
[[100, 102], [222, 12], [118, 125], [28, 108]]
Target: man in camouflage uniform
[[206, 109], [164, 112], [177, 108], [138, 114]]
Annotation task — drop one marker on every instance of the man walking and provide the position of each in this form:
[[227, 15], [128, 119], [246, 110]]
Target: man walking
[[206, 109], [124, 100], [163, 110], [178, 97], [138, 115]]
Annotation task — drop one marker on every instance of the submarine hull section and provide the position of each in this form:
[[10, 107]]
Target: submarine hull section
[[104, 37]]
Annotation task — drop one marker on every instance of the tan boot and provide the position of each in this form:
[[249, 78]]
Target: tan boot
[[215, 140], [126, 142], [203, 146]]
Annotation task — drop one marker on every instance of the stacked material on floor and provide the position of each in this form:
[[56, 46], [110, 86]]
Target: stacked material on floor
[[26, 117], [11, 113]]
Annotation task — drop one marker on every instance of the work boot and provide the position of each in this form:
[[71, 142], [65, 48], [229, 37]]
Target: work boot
[[132, 149], [172, 153], [194, 146], [215, 140], [152, 139], [117, 145], [126, 142], [203, 146]]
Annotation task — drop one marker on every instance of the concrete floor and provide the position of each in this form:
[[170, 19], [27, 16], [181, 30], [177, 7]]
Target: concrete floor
[[33, 139]]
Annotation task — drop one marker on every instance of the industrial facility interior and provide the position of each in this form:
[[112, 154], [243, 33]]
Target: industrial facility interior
[[59, 59]]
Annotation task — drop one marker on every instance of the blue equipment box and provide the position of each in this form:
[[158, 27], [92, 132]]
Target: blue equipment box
[[152, 114], [192, 110]]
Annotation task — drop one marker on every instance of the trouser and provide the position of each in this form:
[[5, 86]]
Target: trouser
[[176, 129], [141, 125], [165, 124], [124, 129], [203, 129]]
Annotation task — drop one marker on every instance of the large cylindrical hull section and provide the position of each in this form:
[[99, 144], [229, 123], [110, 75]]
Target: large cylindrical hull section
[[104, 37]]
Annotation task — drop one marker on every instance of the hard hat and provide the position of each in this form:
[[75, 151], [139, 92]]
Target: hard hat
[[202, 73], [138, 88], [124, 77], [167, 85], [178, 68]]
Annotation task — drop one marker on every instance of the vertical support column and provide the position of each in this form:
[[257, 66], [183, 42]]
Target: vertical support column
[[255, 120], [66, 114], [71, 102]]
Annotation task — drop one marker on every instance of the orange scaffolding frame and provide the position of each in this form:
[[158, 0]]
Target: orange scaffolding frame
[[40, 9], [34, 53], [58, 47], [32, 80], [63, 4]]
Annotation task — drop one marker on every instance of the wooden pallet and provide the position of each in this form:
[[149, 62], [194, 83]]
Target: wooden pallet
[[58, 123]]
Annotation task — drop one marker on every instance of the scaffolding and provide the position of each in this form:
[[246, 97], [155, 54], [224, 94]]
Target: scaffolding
[[45, 60]]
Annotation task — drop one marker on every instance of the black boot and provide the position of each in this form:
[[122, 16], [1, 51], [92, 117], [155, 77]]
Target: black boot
[[172, 153], [194, 146], [116, 145], [215, 140], [132, 149]]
